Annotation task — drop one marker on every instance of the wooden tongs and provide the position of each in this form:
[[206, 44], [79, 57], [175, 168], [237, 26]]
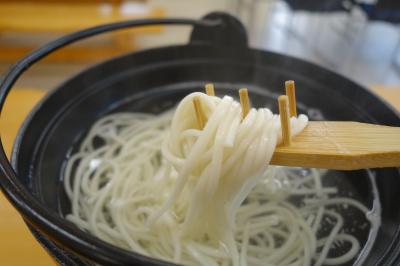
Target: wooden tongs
[[339, 145]]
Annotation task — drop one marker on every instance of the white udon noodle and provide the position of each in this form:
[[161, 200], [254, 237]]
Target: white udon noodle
[[157, 185]]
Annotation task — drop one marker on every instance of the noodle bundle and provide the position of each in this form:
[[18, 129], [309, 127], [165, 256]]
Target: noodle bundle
[[160, 186]]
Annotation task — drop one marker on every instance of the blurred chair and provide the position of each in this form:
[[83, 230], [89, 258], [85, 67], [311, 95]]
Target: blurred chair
[[382, 10], [386, 11], [316, 26], [338, 34], [40, 17], [317, 5]]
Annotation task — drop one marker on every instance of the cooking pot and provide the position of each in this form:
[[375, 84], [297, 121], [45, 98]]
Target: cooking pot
[[155, 80]]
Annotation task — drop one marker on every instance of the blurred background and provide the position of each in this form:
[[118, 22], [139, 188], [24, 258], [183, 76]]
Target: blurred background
[[357, 38]]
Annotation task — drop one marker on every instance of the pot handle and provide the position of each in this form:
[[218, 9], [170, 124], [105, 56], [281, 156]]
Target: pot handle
[[9, 183], [230, 32]]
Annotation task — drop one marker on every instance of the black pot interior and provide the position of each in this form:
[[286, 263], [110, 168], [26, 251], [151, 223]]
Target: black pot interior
[[155, 80]]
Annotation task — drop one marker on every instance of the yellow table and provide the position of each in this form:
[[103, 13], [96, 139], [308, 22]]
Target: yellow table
[[47, 18], [17, 245]]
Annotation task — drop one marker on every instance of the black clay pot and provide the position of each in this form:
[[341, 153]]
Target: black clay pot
[[154, 80]]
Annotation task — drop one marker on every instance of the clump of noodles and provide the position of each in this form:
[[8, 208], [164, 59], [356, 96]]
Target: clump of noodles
[[220, 164], [158, 185]]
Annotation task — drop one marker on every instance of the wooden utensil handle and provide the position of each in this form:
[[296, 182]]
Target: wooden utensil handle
[[342, 146]]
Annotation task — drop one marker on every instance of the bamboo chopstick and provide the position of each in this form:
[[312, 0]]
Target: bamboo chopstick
[[201, 119], [244, 101], [283, 102], [210, 89], [291, 94]]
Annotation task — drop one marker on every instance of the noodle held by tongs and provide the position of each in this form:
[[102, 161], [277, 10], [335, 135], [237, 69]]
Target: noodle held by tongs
[[339, 145]]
